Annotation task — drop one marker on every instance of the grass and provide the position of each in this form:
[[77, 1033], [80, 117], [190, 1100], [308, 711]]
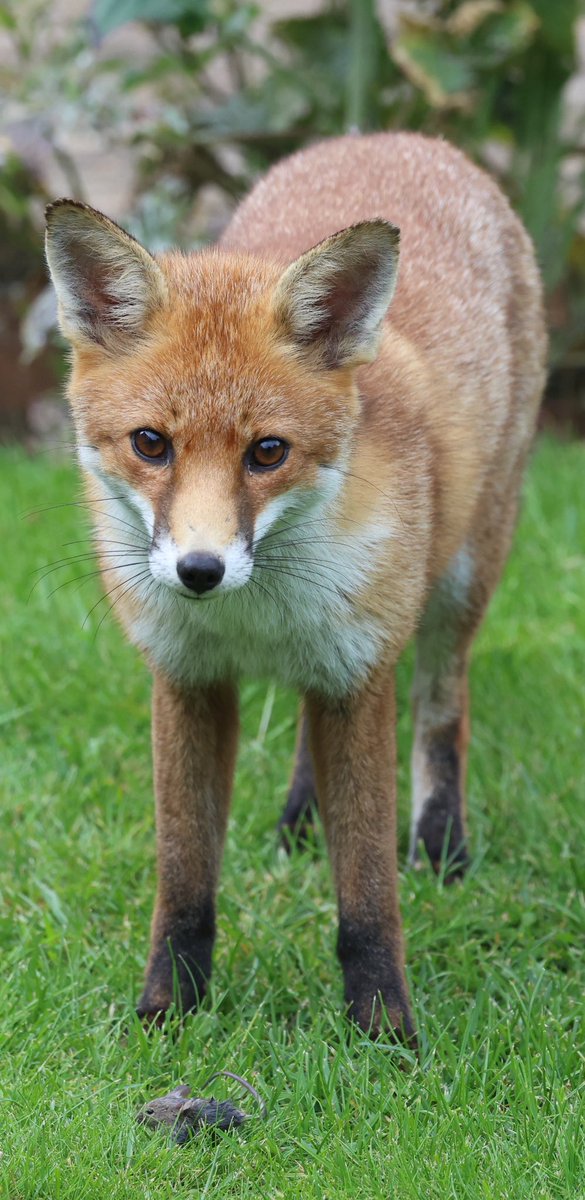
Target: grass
[[494, 1108]]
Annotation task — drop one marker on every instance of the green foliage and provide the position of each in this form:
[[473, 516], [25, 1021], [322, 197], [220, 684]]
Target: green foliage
[[490, 75], [496, 1106], [20, 253], [229, 91], [190, 16]]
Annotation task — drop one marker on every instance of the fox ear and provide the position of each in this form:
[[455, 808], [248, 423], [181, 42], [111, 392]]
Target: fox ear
[[107, 285], [333, 299]]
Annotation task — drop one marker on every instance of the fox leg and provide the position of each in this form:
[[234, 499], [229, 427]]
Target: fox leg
[[298, 815], [194, 741], [353, 747], [441, 720], [440, 694]]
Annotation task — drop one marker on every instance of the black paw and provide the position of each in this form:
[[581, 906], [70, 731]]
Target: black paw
[[179, 968], [376, 993], [386, 1016], [441, 832]]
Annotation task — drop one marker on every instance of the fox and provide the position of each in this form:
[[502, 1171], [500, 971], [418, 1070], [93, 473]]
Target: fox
[[298, 458]]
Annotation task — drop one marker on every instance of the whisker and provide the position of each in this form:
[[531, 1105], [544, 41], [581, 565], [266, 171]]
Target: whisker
[[59, 566], [270, 595], [104, 541], [50, 572], [295, 525], [287, 544], [87, 508], [176, 602], [304, 579], [133, 581], [352, 475], [277, 559], [35, 512], [88, 556], [291, 525], [285, 558], [64, 583], [83, 578], [82, 558], [275, 538], [111, 607], [326, 569], [362, 479], [120, 521]]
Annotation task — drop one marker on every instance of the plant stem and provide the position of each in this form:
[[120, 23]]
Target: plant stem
[[362, 64]]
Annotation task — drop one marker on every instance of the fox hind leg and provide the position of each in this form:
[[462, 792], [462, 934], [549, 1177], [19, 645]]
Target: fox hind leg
[[441, 722], [440, 694], [298, 816]]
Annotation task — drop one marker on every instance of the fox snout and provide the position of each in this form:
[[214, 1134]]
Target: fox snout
[[200, 572], [200, 564]]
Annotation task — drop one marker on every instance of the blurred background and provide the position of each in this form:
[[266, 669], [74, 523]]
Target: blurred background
[[162, 112]]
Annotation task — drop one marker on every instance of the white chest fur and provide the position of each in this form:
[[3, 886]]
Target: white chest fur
[[295, 621]]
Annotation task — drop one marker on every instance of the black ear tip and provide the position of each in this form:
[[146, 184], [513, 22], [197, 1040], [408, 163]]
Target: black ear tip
[[388, 229], [64, 202], [53, 208], [50, 210], [377, 228]]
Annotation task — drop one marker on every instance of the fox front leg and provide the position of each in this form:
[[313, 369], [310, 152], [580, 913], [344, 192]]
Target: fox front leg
[[352, 743], [194, 746]]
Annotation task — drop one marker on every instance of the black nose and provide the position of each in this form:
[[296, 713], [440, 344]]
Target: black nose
[[200, 572]]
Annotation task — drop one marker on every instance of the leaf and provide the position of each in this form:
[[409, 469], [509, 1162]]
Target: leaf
[[191, 15], [318, 38], [469, 17], [237, 23], [505, 34], [323, 51], [274, 107], [558, 21], [425, 55]]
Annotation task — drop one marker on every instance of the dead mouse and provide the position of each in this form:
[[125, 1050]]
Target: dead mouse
[[186, 1115]]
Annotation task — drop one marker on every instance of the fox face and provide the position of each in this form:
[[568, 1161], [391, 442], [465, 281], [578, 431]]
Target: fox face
[[213, 394], [208, 440]]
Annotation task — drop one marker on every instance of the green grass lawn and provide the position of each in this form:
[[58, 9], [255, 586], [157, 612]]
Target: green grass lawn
[[496, 1105]]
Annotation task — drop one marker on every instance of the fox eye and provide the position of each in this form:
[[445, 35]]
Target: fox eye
[[149, 444], [267, 453]]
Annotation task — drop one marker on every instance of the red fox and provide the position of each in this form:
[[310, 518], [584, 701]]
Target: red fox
[[300, 457]]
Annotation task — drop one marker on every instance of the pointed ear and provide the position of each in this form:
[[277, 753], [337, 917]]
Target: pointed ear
[[183, 1091], [332, 301], [107, 285]]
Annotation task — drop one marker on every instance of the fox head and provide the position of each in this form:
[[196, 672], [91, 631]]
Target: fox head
[[213, 392]]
